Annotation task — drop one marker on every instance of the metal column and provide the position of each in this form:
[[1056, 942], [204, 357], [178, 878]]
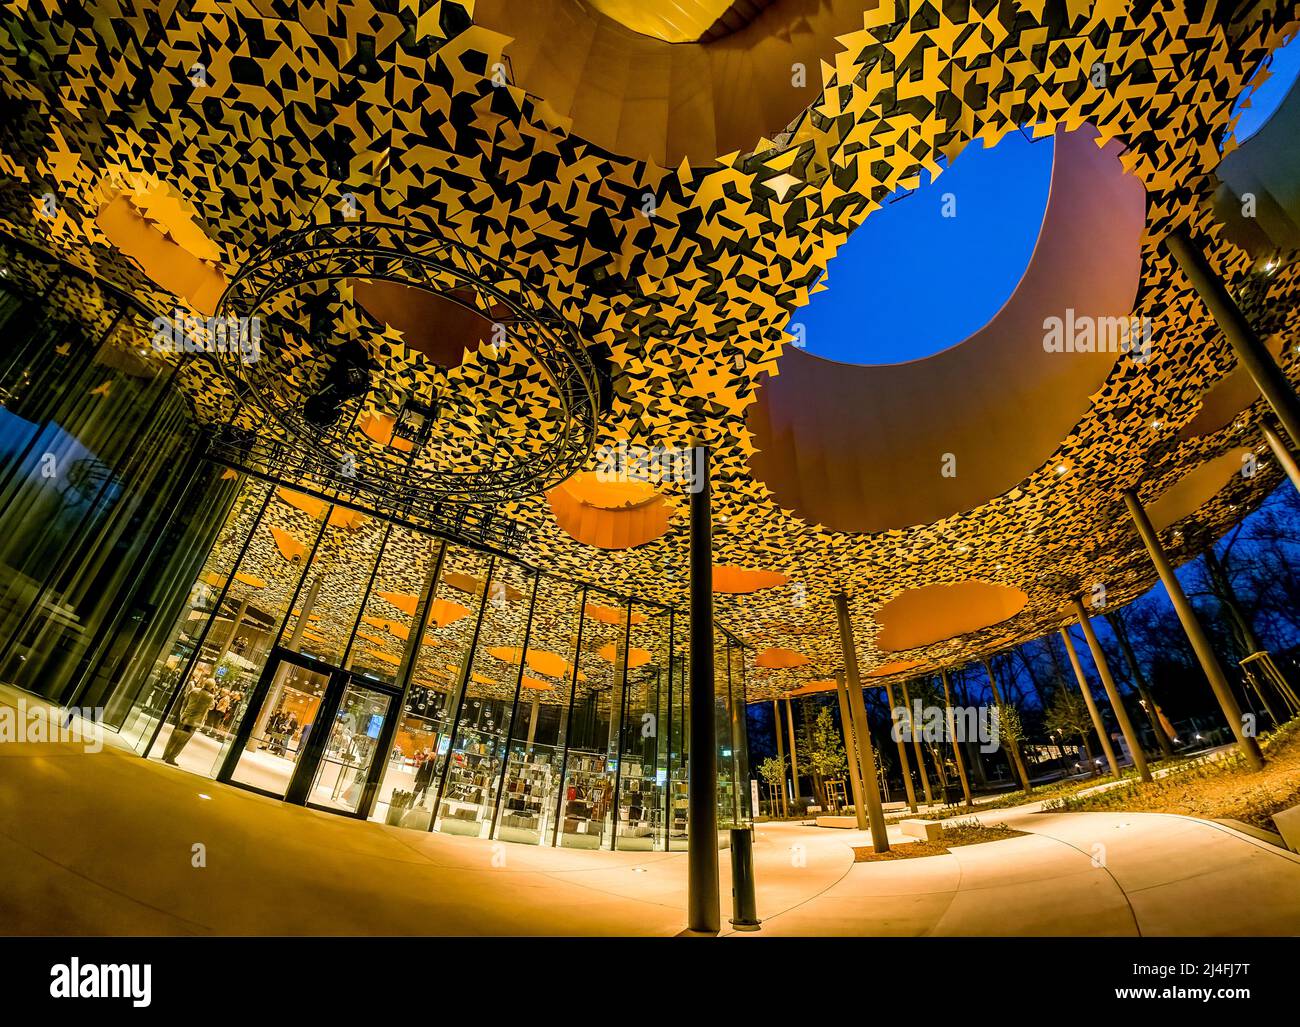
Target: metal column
[[851, 751], [1282, 453], [952, 738], [1112, 692], [1195, 633], [703, 913], [1252, 354], [1093, 712], [861, 730]]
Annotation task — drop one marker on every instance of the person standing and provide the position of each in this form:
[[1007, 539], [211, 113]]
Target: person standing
[[194, 707]]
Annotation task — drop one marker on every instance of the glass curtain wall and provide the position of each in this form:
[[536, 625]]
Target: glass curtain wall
[[586, 795], [154, 674], [641, 771], [441, 667], [135, 575], [246, 591], [481, 725], [526, 805], [679, 736], [106, 509], [392, 632]]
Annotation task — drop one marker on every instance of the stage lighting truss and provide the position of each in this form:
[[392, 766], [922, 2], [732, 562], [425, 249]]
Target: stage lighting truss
[[297, 363], [308, 471]]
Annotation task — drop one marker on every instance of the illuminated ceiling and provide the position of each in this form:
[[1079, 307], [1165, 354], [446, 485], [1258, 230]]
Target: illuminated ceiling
[[681, 235]]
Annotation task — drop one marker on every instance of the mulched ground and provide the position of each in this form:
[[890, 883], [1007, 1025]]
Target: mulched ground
[[1225, 789], [963, 834]]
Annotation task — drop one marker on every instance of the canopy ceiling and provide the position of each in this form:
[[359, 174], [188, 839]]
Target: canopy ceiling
[[684, 253]]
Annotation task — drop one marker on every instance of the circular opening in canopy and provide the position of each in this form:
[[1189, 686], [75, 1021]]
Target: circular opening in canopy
[[933, 265]]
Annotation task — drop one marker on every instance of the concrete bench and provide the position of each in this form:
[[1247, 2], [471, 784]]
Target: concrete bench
[[1288, 826], [843, 823], [926, 830]]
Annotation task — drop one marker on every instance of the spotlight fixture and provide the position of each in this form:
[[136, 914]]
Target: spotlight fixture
[[347, 377], [415, 422]]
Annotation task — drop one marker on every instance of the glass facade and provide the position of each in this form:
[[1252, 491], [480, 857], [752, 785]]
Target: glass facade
[[273, 638]]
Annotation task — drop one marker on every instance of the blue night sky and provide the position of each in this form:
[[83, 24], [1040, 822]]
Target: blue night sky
[[910, 282], [1265, 100]]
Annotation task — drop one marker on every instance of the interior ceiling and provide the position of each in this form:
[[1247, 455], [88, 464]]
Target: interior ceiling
[[302, 104]]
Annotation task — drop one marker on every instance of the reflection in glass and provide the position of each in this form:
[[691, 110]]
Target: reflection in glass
[[641, 772], [146, 690], [424, 730]]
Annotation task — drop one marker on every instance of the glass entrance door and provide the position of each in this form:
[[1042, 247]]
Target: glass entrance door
[[351, 760], [276, 729], [314, 735]]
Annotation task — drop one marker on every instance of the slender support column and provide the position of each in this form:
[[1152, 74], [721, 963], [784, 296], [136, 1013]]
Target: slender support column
[[1017, 760], [704, 913], [532, 726], [1284, 455], [896, 729], [304, 611], [1117, 625], [794, 749], [1112, 692], [1251, 352], [1091, 703], [952, 738], [916, 748], [861, 730], [851, 751], [1195, 632], [778, 726], [235, 625]]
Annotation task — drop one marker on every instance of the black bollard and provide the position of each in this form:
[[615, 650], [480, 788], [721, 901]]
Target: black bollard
[[743, 905]]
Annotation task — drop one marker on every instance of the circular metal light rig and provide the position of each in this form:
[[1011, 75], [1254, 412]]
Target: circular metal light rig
[[326, 389]]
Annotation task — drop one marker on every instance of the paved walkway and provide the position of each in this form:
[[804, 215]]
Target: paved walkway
[[107, 843]]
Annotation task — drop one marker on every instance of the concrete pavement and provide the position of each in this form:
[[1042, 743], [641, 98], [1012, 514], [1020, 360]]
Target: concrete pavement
[[107, 843]]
